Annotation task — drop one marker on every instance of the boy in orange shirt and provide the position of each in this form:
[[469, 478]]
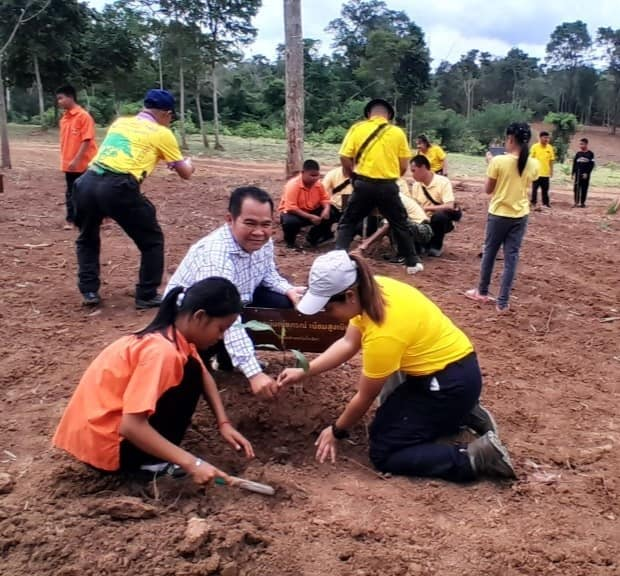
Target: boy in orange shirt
[[306, 203], [77, 141]]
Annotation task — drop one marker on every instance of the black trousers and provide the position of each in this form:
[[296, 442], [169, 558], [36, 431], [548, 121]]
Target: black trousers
[[116, 196], [172, 416], [404, 433], [70, 178], [543, 184], [292, 224], [441, 223], [582, 183], [383, 195], [372, 222], [262, 298]]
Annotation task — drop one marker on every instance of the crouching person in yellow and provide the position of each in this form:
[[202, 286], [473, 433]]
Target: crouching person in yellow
[[135, 401], [398, 329]]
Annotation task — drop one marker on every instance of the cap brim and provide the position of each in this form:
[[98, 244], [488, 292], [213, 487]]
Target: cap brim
[[311, 304]]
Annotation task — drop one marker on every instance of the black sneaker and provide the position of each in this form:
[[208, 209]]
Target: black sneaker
[[481, 421], [91, 299], [145, 303], [489, 457]]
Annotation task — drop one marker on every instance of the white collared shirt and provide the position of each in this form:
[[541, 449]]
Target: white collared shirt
[[219, 254]]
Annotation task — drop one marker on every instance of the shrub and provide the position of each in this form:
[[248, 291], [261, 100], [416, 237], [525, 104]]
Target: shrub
[[490, 123], [48, 120], [333, 135], [564, 126]]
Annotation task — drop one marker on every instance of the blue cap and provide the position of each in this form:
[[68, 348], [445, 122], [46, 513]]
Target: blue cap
[[159, 100]]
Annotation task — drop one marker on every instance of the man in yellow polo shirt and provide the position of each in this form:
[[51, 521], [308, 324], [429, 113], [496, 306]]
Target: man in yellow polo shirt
[[110, 188], [375, 154], [544, 152], [434, 193]]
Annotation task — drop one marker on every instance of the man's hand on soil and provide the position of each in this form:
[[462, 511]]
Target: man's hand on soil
[[263, 386]]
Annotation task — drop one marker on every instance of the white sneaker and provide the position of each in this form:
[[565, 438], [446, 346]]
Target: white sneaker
[[419, 267]]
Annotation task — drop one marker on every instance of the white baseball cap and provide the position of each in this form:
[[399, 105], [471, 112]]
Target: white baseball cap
[[331, 274]]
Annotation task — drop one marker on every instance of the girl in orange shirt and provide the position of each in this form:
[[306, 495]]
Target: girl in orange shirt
[[135, 401]]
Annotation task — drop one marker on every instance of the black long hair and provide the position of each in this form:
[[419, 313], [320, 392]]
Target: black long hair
[[522, 135], [218, 297]]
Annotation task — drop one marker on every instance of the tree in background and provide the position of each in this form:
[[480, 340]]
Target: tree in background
[[564, 127], [294, 74], [13, 15], [609, 39]]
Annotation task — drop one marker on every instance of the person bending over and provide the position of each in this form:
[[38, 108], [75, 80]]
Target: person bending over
[[422, 365]]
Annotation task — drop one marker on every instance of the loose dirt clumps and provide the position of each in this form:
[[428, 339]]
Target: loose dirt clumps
[[551, 370]]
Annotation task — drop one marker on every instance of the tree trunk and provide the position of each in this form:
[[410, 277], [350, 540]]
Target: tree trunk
[[37, 75], [216, 115], [182, 106], [4, 131], [201, 122], [294, 72], [410, 121], [161, 72]]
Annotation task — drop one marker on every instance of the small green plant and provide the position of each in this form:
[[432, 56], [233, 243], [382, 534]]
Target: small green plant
[[614, 207], [300, 360]]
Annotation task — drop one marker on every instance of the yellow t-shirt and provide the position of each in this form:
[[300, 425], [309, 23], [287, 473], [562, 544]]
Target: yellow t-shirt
[[416, 337], [545, 156], [440, 190], [511, 195], [332, 180], [134, 145], [435, 155], [414, 210], [381, 158]]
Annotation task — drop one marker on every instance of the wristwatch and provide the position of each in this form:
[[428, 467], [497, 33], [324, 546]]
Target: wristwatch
[[339, 433]]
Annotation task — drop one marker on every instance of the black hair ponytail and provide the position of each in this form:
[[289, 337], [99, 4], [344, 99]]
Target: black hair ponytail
[[218, 297], [522, 135]]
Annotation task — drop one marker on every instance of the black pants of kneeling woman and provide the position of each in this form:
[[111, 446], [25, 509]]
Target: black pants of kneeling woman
[[172, 416], [404, 433]]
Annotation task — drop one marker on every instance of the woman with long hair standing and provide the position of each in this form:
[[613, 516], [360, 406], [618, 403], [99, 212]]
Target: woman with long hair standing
[[509, 179]]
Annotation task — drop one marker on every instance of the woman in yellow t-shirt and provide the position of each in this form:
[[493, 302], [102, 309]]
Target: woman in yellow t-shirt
[[424, 367], [509, 177], [435, 154], [135, 401]]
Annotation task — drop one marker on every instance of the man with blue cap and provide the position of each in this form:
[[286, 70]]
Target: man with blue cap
[[110, 188]]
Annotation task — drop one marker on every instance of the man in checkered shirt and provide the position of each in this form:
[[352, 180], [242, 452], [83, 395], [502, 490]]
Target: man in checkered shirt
[[241, 251]]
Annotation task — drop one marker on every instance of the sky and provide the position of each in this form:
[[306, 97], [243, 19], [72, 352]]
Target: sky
[[451, 27]]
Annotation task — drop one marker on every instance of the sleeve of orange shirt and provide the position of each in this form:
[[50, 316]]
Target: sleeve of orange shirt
[[168, 147], [159, 368], [289, 196], [87, 127]]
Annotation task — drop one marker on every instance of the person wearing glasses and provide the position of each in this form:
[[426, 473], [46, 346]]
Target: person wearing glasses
[[110, 188], [241, 251]]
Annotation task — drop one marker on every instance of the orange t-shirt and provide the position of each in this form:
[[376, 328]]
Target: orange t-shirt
[[76, 125], [296, 195], [128, 377]]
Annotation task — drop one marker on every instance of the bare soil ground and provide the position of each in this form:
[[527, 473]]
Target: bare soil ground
[[551, 369]]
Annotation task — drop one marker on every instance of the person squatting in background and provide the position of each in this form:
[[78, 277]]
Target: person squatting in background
[[422, 365], [110, 188], [135, 401], [509, 177], [304, 203], [583, 164]]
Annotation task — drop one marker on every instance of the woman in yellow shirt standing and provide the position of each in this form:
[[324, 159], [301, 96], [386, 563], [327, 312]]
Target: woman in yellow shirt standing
[[424, 367], [509, 178], [435, 154]]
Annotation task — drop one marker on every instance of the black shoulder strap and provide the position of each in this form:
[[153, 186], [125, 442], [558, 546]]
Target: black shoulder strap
[[429, 197], [375, 134], [341, 186]]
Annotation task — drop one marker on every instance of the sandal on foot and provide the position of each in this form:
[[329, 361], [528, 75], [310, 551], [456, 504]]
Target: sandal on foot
[[474, 295]]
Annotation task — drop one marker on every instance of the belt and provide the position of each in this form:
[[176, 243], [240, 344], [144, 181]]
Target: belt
[[375, 180], [101, 169]]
